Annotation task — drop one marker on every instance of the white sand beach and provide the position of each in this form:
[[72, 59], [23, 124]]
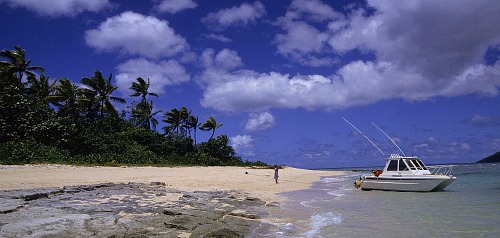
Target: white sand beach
[[256, 182]]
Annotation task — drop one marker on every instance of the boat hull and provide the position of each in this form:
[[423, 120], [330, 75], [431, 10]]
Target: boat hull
[[407, 184]]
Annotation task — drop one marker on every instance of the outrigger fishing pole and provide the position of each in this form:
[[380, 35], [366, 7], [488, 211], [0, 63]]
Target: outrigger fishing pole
[[365, 136]]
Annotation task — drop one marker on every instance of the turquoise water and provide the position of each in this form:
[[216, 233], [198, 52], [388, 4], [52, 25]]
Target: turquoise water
[[469, 207]]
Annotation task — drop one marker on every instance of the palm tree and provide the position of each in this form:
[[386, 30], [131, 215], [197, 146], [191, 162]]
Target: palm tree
[[192, 123], [66, 97], [175, 121], [40, 88], [102, 90], [141, 89], [143, 116], [17, 63], [143, 111], [210, 124]]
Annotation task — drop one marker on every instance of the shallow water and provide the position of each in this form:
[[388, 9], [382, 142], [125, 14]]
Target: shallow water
[[469, 207]]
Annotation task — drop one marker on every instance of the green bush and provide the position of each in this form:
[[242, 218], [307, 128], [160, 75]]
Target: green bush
[[29, 151]]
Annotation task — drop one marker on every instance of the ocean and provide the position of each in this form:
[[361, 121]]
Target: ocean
[[332, 207]]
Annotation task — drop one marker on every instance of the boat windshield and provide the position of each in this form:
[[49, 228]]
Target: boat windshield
[[393, 165], [417, 164], [422, 164], [402, 165]]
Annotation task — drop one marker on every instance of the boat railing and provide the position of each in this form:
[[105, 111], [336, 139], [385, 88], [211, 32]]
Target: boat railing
[[441, 169]]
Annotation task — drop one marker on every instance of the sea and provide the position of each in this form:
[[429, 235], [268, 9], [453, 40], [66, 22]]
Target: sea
[[332, 207]]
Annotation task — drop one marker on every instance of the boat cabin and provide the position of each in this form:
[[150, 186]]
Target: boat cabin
[[398, 165]]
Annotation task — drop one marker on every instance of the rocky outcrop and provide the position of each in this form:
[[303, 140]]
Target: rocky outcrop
[[128, 210]]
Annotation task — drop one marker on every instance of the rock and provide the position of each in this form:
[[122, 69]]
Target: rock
[[126, 210], [171, 213], [226, 233], [9, 205]]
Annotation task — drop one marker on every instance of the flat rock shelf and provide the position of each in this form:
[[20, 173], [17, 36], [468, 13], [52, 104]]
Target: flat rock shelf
[[129, 210]]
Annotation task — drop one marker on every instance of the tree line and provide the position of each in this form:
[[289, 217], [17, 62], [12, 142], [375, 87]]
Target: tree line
[[57, 121]]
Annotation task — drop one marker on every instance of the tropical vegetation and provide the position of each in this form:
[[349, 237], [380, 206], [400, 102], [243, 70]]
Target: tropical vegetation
[[45, 120]]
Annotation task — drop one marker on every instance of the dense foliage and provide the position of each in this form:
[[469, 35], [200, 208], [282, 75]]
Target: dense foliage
[[56, 121]]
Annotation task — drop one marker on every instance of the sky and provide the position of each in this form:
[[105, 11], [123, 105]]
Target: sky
[[281, 74]]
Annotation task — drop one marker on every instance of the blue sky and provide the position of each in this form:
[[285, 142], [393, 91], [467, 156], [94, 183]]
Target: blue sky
[[280, 74]]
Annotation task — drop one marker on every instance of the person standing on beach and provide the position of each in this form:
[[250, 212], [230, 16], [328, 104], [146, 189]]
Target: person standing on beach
[[276, 176]]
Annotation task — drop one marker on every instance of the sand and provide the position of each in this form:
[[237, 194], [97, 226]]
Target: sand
[[256, 182]]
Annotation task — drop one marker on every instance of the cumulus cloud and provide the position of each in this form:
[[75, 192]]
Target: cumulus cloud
[[225, 60], [55, 8], [438, 39], [242, 144], [160, 74], [302, 40], [135, 34], [174, 6], [419, 51], [236, 16], [259, 121], [484, 121]]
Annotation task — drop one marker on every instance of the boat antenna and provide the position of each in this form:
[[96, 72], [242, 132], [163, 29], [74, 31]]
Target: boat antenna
[[364, 136], [393, 142]]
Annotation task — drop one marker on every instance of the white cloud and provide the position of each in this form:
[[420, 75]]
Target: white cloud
[[135, 34], [300, 41], [243, 15], [220, 38], [56, 8], [357, 83], [421, 50], [160, 74], [225, 60], [174, 6], [241, 143], [259, 121], [484, 121], [311, 9], [439, 39]]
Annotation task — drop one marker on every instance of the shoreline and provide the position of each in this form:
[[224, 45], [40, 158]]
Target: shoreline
[[255, 181], [40, 200]]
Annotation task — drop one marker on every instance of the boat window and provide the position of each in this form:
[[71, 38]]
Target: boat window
[[422, 164], [410, 164], [402, 165], [393, 165], [416, 163]]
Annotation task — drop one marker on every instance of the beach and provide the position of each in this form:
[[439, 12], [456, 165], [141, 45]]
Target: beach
[[41, 200]]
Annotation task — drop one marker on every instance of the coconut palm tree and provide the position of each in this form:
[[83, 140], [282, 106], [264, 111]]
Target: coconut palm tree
[[40, 88], [141, 88], [143, 111], [102, 89], [17, 63], [66, 97], [175, 121], [192, 123], [210, 125], [143, 115]]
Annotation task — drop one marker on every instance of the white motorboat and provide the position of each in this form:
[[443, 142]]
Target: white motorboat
[[403, 173]]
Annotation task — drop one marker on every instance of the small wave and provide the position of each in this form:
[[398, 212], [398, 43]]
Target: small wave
[[321, 220], [284, 229], [308, 204], [337, 194], [332, 180]]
